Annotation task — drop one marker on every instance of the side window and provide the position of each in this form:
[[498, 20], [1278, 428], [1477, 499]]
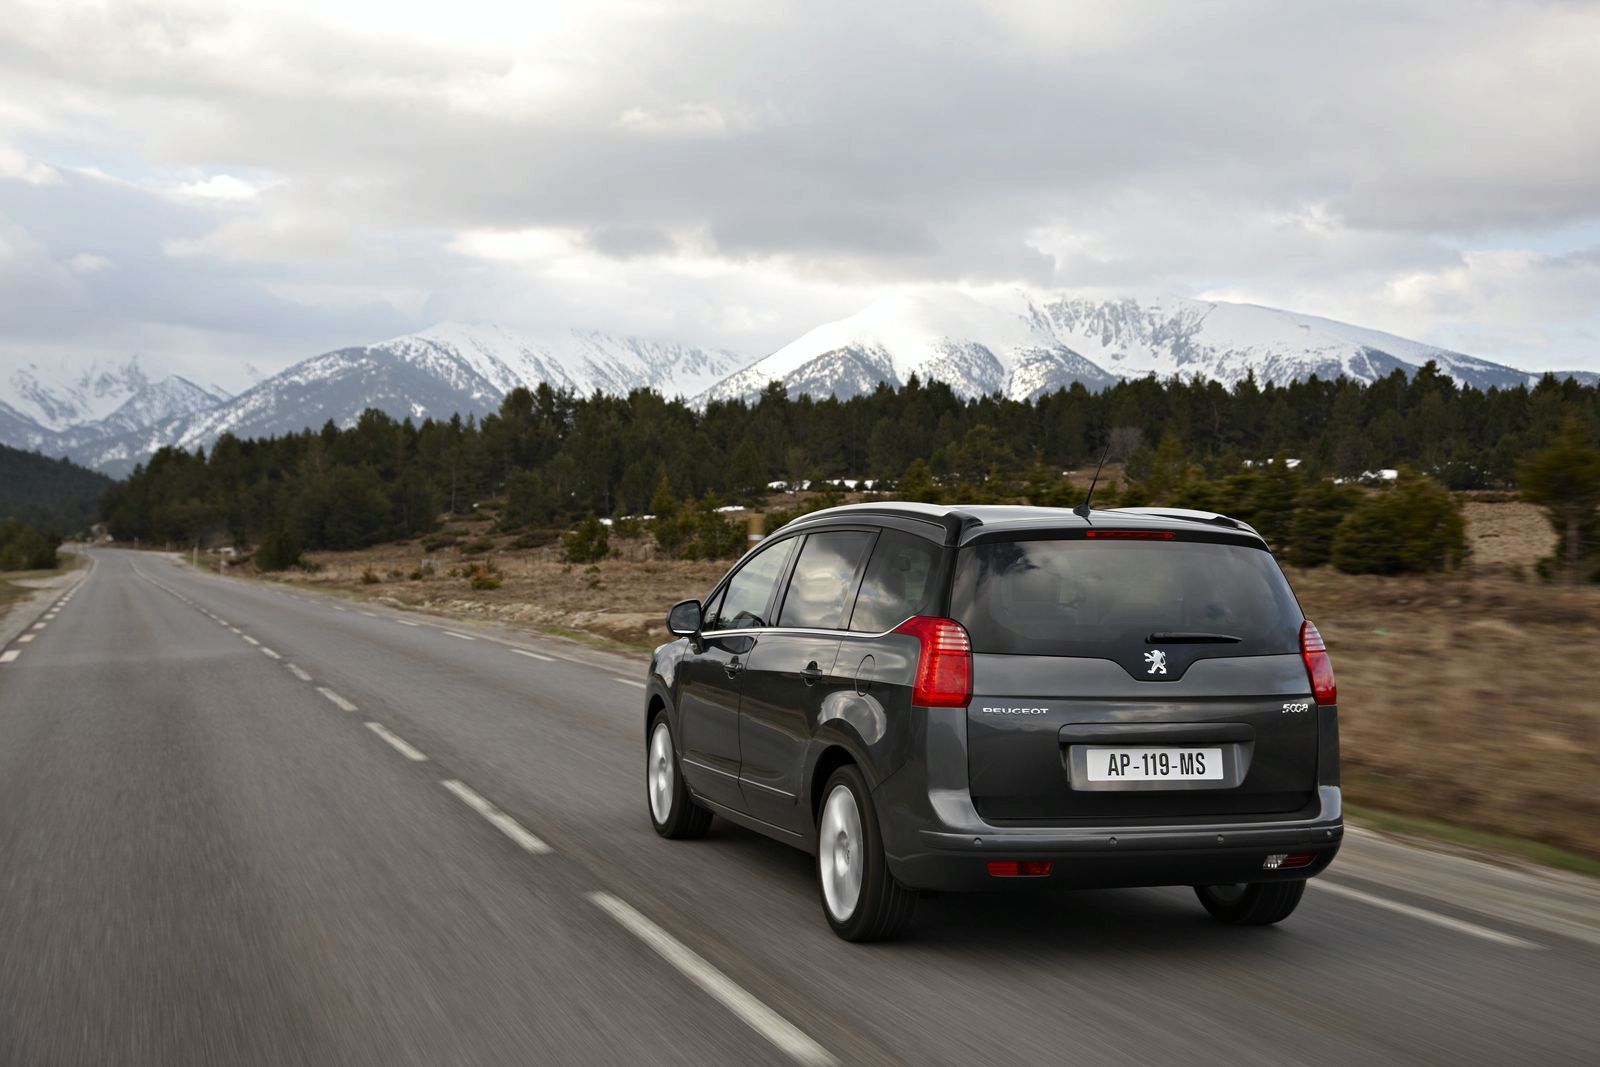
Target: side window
[[898, 584], [744, 605], [824, 577]]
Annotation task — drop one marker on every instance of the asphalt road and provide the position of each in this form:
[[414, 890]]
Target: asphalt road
[[210, 854]]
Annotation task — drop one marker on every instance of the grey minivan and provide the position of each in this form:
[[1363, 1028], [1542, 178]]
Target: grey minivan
[[973, 698]]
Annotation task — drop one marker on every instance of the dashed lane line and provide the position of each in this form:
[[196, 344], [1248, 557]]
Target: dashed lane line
[[1446, 921], [298, 672], [459, 637], [249, 640], [783, 1034], [10, 656], [265, 651], [397, 743], [334, 698], [39, 625], [403, 622], [533, 655], [630, 681], [499, 819], [26, 638]]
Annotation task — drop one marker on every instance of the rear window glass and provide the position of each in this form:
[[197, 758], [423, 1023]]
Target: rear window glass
[[897, 583], [1088, 598], [824, 577]]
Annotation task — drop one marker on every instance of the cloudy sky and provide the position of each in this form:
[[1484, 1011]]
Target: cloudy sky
[[244, 181]]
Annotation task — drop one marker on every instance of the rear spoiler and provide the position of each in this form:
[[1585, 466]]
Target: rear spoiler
[[1190, 515]]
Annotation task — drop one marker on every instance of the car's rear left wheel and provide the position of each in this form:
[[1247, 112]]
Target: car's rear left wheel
[[673, 811], [860, 897], [1251, 904]]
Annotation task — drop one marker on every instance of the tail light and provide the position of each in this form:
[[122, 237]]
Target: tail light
[[1319, 668], [944, 668]]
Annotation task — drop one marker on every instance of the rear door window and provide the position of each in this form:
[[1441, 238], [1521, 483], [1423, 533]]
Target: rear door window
[[1115, 599], [824, 580], [743, 605], [898, 584]]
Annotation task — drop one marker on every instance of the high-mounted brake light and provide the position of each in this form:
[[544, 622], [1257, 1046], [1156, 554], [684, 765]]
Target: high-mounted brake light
[[1131, 535], [944, 668], [1319, 668]]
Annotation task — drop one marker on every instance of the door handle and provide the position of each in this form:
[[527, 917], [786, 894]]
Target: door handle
[[811, 673], [732, 667]]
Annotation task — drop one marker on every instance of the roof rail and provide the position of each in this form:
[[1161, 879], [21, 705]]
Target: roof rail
[[954, 521], [1190, 515]]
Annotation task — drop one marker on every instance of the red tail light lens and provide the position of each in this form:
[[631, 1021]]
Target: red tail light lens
[[1019, 868], [944, 669], [1319, 668], [1131, 535]]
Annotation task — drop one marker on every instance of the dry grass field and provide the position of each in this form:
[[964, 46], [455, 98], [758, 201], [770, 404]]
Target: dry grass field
[[1469, 698]]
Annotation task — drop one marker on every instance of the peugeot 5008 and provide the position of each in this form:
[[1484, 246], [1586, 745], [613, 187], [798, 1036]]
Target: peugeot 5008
[[933, 698]]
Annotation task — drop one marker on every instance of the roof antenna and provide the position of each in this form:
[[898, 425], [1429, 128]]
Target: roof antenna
[[1082, 510]]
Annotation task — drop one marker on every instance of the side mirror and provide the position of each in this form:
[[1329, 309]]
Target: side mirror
[[684, 619]]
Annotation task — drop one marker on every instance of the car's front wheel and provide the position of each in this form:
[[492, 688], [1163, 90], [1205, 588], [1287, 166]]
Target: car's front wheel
[[861, 899], [673, 811], [1251, 904]]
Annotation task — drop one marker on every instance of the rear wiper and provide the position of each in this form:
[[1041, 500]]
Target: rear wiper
[[1191, 637]]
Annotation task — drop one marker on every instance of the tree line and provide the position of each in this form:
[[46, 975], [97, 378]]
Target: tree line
[[552, 458]]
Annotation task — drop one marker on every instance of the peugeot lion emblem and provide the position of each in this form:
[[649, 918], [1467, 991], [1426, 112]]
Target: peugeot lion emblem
[[1157, 660]]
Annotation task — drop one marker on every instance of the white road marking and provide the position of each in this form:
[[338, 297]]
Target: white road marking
[[403, 622], [236, 630], [452, 633], [298, 672], [630, 681], [532, 655], [38, 626], [265, 651], [10, 657], [754, 1014], [338, 701], [370, 614], [399, 745], [25, 638], [250, 639], [336, 607], [1458, 925], [502, 822]]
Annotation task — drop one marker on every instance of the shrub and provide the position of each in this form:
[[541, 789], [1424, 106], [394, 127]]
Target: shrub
[[434, 542], [1564, 480], [1320, 507], [1416, 527], [529, 540], [370, 577], [279, 552], [485, 581], [478, 547], [25, 548], [589, 542]]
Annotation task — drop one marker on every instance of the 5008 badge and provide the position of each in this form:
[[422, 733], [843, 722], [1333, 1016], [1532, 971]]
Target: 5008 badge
[[1296, 707]]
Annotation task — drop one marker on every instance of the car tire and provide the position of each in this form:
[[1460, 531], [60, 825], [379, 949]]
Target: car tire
[[1253, 904], [860, 897], [673, 812]]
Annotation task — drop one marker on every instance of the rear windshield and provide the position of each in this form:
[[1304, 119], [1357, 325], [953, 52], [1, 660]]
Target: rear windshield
[[1098, 598]]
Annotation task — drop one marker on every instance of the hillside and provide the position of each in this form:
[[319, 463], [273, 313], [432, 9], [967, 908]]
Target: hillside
[[53, 493]]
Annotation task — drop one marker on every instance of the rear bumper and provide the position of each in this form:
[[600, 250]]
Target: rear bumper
[[1120, 856], [934, 837]]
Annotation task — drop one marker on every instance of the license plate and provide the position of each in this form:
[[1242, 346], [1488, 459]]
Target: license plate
[[1154, 764]]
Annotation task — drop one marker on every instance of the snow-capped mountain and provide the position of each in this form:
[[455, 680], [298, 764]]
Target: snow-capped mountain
[[1011, 342], [1022, 345], [976, 346], [451, 368], [69, 392]]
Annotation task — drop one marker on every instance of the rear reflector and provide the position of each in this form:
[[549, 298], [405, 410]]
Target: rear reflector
[[1019, 868], [944, 668], [1131, 535], [1319, 668], [1281, 861]]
